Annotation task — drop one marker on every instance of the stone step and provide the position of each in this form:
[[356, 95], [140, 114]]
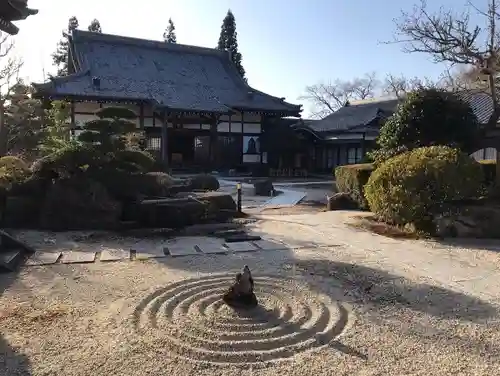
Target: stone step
[[10, 259]]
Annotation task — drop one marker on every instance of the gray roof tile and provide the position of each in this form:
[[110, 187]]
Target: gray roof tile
[[355, 114], [173, 76], [358, 115]]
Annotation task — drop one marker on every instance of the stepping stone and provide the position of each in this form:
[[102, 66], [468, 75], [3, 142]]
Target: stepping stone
[[298, 244], [241, 247], [114, 254], [144, 253], [269, 245], [74, 257], [211, 246], [43, 258], [182, 246]]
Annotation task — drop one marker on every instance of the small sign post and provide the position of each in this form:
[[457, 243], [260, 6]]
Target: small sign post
[[238, 197]]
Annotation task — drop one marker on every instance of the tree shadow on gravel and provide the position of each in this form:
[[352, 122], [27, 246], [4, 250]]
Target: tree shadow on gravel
[[377, 287], [11, 361], [492, 245]]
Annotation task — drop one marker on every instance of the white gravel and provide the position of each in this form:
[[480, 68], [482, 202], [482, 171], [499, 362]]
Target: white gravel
[[369, 306]]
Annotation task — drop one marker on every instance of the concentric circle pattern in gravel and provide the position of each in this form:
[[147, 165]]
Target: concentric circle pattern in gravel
[[289, 320]]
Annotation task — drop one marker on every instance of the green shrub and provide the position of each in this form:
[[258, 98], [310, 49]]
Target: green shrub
[[13, 163], [125, 186], [12, 171], [204, 182], [427, 117], [351, 179], [79, 203], [408, 188], [489, 167], [134, 160], [32, 186], [156, 184], [20, 212], [68, 161]]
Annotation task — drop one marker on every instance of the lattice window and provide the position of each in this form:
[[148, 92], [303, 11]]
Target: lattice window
[[153, 143]]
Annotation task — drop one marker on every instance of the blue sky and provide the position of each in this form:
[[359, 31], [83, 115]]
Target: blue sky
[[286, 45]]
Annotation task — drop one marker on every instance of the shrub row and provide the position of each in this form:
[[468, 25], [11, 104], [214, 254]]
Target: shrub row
[[412, 186], [351, 179]]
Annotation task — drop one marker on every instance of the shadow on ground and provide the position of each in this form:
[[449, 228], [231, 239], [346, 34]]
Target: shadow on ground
[[380, 288], [366, 285], [11, 361], [492, 245]]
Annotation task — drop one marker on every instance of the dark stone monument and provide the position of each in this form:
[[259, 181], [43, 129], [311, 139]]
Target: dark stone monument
[[240, 294]]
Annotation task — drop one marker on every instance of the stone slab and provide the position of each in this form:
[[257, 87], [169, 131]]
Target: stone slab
[[114, 255], [74, 257], [298, 244], [182, 246], [215, 246], [270, 245], [241, 247], [43, 258], [143, 253]]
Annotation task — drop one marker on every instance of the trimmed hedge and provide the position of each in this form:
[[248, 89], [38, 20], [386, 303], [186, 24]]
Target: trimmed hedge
[[351, 179], [412, 186], [79, 204], [489, 167], [12, 170]]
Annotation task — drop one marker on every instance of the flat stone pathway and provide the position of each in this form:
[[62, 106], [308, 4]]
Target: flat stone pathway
[[115, 254], [75, 257], [177, 247], [43, 258]]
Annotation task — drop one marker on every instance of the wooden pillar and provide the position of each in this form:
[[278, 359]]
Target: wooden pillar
[[164, 140], [213, 141], [363, 146]]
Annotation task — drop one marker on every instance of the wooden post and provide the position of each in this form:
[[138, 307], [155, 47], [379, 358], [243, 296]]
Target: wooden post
[[238, 197]]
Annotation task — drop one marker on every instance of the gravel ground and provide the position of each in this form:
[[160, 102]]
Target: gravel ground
[[369, 306]]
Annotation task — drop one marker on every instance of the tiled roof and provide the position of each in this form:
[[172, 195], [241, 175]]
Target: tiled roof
[[171, 76], [358, 115], [355, 114]]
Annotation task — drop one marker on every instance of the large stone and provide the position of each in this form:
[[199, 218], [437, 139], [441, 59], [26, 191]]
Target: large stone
[[241, 293], [469, 221], [341, 201], [263, 187], [181, 212]]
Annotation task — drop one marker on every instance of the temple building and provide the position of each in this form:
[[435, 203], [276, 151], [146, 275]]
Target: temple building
[[193, 105]]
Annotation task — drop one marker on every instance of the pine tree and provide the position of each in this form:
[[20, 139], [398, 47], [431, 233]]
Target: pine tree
[[60, 56], [228, 41], [169, 34], [95, 26]]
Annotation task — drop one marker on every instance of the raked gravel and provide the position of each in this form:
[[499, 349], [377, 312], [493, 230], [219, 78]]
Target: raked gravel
[[368, 306]]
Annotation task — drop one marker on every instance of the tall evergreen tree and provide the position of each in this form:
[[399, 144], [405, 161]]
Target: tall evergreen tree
[[60, 56], [169, 34], [228, 41], [95, 26]]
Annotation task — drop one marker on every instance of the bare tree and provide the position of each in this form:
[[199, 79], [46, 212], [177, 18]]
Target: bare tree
[[327, 98], [451, 38], [9, 76], [399, 86]]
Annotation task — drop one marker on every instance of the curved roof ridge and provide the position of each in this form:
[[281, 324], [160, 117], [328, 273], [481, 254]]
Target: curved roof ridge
[[113, 38]]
